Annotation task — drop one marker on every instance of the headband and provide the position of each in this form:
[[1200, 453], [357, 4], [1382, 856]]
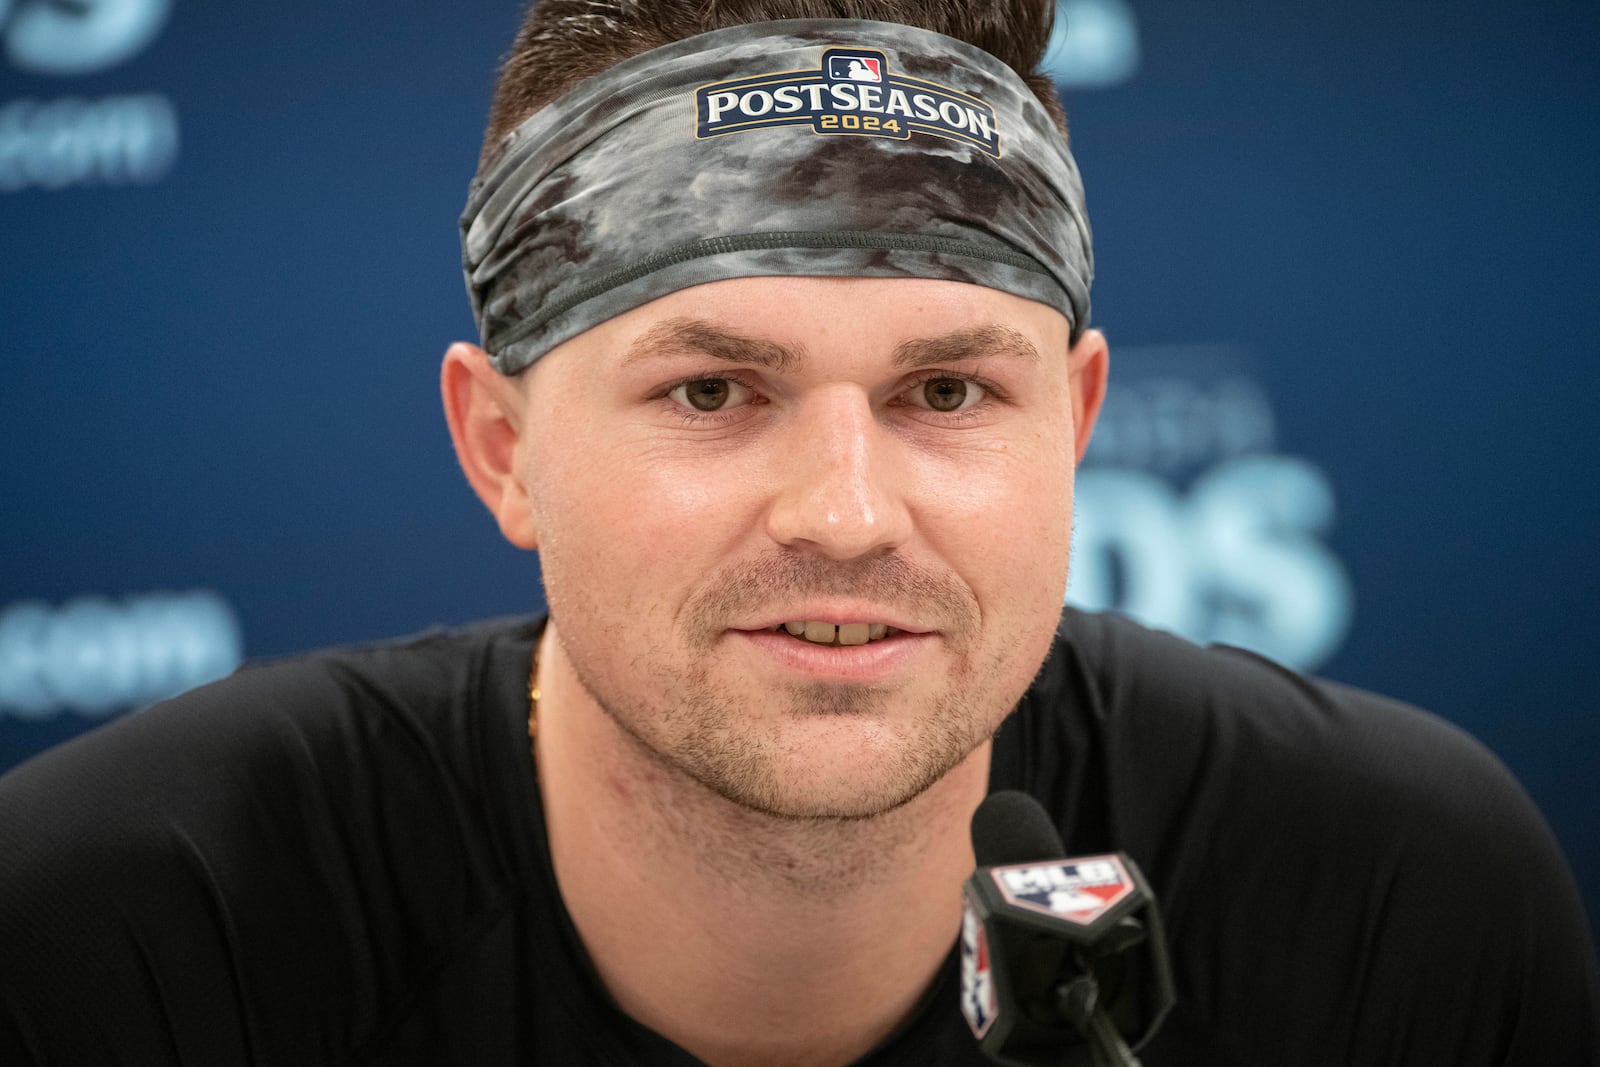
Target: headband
[[802, 147]]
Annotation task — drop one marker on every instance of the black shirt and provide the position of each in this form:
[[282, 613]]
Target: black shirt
[[340, 859]]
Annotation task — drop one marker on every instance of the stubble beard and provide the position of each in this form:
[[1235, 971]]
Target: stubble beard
[[703, 737], [699, 730]]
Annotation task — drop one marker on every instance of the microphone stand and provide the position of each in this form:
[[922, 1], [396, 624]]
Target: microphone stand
[[1078, 1001], [1106, 1047]]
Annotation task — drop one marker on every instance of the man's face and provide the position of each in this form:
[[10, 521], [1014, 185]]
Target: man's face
[[853, 453]]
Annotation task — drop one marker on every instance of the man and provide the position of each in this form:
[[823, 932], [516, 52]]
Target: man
[[786, 369]]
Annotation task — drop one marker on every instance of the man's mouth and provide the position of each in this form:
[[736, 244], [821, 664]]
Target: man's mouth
[[827, 633]]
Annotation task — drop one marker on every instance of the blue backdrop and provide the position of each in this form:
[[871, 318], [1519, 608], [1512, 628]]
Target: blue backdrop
[[1346, 260]]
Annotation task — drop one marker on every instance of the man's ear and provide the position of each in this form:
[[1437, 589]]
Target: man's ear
[[485, 410], [1088, 364]]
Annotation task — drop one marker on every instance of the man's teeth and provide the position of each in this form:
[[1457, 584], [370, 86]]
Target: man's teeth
[[826, 633]]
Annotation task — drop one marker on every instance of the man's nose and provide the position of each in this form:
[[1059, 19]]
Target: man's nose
[[841, 485]]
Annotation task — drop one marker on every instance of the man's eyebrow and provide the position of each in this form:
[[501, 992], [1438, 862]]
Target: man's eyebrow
[[683, 336], [973, 342], [676, 337]]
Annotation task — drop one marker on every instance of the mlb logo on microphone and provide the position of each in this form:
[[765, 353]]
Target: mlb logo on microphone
[[1077, 890], [855, 67]]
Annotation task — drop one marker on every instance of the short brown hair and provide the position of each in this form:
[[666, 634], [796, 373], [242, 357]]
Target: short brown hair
[[562, 42]]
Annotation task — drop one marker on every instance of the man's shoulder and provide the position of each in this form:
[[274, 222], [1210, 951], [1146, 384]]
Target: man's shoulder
[[336, 719], [1325, 855], [1154, 694], [439, 671], [1221, 732], [310, 829], [392, 684], [440, 659]]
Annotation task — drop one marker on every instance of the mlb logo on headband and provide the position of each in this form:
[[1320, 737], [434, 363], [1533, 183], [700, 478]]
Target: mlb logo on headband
[[853, 68]]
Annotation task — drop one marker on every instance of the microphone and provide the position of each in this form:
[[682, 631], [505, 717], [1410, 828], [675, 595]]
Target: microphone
[[1059, 957]]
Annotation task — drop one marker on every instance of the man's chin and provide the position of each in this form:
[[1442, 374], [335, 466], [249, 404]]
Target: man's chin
[[843, 770], [809, 752], [809, 804]]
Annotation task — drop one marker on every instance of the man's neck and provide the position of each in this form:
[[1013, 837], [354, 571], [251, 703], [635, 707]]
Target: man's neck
[[742, 937]]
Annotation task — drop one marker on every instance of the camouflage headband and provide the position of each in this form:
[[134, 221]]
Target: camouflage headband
[[804, 147]]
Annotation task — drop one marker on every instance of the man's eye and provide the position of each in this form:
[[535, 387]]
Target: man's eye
[[946, 394], [710, 394]]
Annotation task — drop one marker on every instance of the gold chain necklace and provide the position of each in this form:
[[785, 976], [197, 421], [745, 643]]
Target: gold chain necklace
[[533, 705]]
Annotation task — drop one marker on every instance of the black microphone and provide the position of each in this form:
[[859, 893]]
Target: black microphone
[[1050, 975]]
